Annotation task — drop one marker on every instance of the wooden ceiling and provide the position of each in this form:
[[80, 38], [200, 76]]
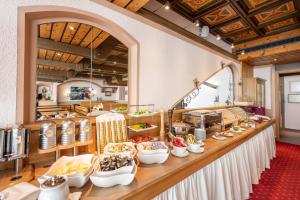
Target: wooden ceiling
[[66, 46], [238, 21]]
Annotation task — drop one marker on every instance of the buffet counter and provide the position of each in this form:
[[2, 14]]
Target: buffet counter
[[226, 169]]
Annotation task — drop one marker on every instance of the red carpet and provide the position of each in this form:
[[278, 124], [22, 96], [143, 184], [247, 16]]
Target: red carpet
[[282, 181]]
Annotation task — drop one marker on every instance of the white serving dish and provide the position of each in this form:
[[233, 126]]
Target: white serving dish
[[121, 170], [109, 181], [130, 153], [76, 179], [157, 151], [153, 158], [145, 129], [143, 115]]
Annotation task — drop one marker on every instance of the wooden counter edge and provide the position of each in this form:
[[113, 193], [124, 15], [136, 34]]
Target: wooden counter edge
[[163, 183]]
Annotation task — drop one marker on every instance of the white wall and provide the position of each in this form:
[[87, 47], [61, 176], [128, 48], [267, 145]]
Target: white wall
[[291, 110], [167, 64], [265, 72], [206, 96]]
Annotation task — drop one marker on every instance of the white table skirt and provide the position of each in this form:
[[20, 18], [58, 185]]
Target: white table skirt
[[229, 177]]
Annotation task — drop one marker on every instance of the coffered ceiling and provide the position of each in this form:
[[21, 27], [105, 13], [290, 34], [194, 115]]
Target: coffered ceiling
[[238, 21]]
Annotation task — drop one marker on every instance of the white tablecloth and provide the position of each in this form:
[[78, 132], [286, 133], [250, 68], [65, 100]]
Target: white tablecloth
[[229, 177]]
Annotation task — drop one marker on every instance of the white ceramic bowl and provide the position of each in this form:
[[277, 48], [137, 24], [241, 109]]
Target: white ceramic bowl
[[121, 170], [179, 150], [131, 152], [153, 158], [157, 151], [109, 181], [194, 147]]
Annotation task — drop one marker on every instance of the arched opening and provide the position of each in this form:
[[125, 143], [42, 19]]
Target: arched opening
[[29, 18]]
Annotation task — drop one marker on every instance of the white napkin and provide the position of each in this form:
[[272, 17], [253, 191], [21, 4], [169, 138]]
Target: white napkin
[[21, 191]]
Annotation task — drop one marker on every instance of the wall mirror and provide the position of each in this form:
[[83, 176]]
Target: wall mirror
[[218, 90], [81, 70]]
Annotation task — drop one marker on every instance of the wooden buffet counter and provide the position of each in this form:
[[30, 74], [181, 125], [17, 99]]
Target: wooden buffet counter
[[152, 180]]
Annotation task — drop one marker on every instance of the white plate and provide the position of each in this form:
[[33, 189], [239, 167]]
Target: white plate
[[145, 129], [241, 130], [228, 134], [109, 181], [219, 137], [179, 155], [153, 158], [76, 179], [200, 150]]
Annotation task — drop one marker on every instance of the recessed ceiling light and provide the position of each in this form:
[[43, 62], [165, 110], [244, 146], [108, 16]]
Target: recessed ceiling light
[[218, 37], [58, 53], [167, 5], [243, 52], [71, 28], [197, 23], [232, 45]]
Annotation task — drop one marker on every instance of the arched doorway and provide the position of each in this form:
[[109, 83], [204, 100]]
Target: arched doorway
[[29, 17]]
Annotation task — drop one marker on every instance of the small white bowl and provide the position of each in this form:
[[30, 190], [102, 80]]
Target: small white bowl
[[194, 147], [179, 150]]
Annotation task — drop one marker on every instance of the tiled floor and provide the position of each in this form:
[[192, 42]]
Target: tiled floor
[[290, 136]]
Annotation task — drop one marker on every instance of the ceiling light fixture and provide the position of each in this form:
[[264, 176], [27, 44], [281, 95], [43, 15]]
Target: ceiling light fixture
[[167, 5], [275, 59], [58, 53], [197, 23], [71, 28], [243, 52], [232, 45], [218, 37]]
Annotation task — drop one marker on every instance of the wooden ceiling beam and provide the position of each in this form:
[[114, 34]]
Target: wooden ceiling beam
[[209, 8], [266, 6], [217, 26], [235, 32], [79, 67], [52, 78], [284, 29], [292, 15], [217, 6], [52, 63], [268, 39], [240, 11], [75, 50], [105, 48], [271, 51]]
